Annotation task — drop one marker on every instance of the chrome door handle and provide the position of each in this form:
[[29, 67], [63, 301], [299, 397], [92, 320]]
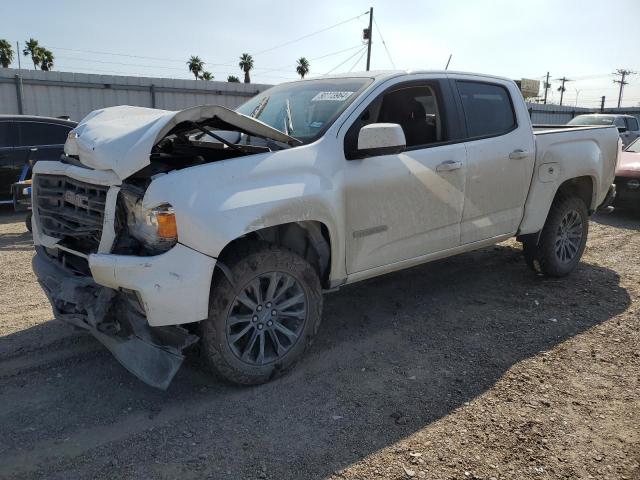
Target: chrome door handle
[[518, 154], [449, 166]]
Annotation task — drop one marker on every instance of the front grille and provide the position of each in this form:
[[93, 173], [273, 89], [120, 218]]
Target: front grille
[[70, 210]]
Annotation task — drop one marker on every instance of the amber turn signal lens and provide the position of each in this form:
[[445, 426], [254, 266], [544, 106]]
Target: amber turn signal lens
[[167, 228]]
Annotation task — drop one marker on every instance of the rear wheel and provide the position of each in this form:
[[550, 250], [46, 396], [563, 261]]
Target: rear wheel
[[261, 325], [562, 240]]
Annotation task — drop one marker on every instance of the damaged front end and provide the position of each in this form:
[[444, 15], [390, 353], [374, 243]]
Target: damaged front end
[[114, 265], [116, 319]]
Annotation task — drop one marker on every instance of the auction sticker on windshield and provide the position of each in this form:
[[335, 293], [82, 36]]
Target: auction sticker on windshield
[[331, 96]]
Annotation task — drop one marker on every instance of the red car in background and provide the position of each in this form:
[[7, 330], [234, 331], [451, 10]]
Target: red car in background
[[628, 177]]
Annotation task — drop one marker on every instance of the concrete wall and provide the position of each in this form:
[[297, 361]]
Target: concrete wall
[[559, 115], [76, 94]]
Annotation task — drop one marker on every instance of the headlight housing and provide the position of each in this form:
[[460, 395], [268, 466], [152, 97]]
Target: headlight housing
[[155, 228]]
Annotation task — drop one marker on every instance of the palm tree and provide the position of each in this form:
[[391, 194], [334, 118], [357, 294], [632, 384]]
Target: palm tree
[[6, 53], [195, 65], [303, 67], [46, 59], [32, 48], [246, 64], [233, 79], [206, 76]]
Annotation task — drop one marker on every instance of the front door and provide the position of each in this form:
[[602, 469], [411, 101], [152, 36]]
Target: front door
[[402, 206]]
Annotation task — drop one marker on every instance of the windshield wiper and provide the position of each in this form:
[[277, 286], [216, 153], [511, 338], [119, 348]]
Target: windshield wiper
[[259, 108], [288, 120]]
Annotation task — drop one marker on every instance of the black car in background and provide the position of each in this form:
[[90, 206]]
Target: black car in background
[[24, 140]]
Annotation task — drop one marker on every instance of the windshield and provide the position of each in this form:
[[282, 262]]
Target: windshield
[[634, 147], [305, 109], [592, 120]]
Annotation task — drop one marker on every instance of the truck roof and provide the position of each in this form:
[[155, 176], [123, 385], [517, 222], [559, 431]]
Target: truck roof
[[383, 74]]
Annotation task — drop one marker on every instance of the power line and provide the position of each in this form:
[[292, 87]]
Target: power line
[[345, 61], [311, 34], [161, 59], [165, 67], [384, 43], [312, 59], [357, 61]]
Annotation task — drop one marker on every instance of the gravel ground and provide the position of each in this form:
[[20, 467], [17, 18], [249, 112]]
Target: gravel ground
[[471, 367]]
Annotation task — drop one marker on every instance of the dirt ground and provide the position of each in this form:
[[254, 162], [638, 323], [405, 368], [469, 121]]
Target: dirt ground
[[466, 368]]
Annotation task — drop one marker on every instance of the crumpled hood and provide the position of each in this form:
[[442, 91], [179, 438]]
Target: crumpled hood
[[628, 165], [121, 138]]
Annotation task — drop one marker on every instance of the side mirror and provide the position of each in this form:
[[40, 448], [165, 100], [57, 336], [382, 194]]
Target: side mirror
[[622, 129], [381, 139]]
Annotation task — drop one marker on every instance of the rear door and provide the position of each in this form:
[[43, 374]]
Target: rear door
[[500, 157], [7, 140]]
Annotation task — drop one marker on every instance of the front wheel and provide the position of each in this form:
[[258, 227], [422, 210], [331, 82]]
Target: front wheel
[[562, 240], [261, 322]]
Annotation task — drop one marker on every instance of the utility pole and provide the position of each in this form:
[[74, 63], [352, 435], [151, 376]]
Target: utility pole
[[623, 74], [547, 86], [370, 31], [602, 104], [18, 52], [561, 89]]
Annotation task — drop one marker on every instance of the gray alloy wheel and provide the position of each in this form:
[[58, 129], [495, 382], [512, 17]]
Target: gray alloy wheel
[[263, 313], [266, 318], [568, 237], [561, 243]]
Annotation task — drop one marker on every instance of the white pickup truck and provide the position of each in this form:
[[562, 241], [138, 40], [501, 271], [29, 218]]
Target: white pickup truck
[[158, 229]]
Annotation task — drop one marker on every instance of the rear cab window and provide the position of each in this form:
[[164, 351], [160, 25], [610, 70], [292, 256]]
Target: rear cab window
[[619, 122], [632, 124], [488, 109]]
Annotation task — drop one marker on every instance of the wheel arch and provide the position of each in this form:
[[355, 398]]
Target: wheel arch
[[584, 187], [311, 239]]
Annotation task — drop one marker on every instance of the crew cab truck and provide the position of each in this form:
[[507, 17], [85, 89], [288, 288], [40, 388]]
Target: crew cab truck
[[160, 229]]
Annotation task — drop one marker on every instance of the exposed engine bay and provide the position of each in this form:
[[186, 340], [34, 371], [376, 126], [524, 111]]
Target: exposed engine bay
[[75, 214]]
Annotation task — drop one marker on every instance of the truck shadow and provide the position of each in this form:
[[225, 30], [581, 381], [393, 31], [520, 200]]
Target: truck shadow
[[619, 218], [13, 242], [393, 355]]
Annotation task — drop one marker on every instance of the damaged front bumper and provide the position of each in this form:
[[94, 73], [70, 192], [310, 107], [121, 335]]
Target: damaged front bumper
[[116, 318]]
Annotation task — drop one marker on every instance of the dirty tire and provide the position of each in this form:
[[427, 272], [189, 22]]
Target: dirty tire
[[260, 261], [543, 257]]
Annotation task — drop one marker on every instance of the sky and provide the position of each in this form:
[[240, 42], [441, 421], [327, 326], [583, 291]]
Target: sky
[[582, 40]]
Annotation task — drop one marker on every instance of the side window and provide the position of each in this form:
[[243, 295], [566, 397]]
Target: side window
[[5, 135], [632, 124], [415, 109], [36, 133], [487, 108], [619, 122]]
